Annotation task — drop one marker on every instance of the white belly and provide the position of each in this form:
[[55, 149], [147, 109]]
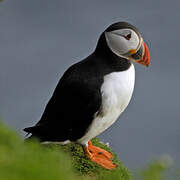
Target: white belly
[[116, 93]]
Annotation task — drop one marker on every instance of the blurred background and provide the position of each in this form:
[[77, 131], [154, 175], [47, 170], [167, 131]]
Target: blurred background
[[40, 39]]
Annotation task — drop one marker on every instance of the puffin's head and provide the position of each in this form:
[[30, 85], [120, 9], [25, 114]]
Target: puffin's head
[[125, 41]]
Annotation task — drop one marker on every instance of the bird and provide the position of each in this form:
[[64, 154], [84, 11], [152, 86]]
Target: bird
[[93, 93]]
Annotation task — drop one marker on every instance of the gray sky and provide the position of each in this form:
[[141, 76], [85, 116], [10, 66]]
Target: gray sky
[[40, 39]]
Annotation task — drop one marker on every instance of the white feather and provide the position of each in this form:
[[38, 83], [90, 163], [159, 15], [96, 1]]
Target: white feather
[[116, 92]]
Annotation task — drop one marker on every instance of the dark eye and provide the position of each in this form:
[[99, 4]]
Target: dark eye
[[128, 37]]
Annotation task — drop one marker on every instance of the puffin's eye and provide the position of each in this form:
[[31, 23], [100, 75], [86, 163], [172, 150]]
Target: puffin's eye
[[128, 37]]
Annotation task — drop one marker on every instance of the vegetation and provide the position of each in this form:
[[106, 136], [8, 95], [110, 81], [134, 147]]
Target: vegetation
[[84, 166], [31, 160], [158, 170]]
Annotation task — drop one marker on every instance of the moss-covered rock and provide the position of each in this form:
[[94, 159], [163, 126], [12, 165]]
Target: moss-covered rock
[[85, 167], [30, 161]]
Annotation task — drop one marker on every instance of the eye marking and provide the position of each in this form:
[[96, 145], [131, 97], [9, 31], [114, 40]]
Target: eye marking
[[128, 37]]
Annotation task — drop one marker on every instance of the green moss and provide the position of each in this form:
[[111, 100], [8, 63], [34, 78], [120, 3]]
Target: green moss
[[159, 169], [83, 166], [19, 161], [153, 171]]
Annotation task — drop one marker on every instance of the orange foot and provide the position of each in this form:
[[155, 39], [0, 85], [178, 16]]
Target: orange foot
[[99, 156]]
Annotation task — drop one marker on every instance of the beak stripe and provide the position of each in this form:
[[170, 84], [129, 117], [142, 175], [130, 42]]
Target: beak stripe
[[132, 51], [146, 57]]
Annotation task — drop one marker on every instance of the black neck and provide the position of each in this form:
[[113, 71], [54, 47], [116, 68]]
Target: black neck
[[103, 52]]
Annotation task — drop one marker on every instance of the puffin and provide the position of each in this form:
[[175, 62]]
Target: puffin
[[93, 93]]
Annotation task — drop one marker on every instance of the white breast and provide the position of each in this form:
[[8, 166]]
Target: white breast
[[116, 93]]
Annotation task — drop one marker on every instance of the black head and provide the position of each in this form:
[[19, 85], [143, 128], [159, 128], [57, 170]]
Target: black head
[[125, 41], [121, 25]]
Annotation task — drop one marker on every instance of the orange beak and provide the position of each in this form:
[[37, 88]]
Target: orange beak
[[142, 56], [145, 60]]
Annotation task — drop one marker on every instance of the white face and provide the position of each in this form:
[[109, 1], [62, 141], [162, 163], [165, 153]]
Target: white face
[[122, 41]]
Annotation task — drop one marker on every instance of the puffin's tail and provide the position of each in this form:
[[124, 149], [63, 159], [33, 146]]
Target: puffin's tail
[[29, 137], [41, 132], [29, 129]]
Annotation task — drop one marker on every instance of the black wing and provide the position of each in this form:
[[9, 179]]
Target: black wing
[[71, 109]]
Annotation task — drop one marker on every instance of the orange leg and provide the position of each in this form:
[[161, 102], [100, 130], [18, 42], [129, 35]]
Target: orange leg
[[99, 156]]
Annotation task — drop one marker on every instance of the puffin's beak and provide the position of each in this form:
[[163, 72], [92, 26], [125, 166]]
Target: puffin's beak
[[142, 56]]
